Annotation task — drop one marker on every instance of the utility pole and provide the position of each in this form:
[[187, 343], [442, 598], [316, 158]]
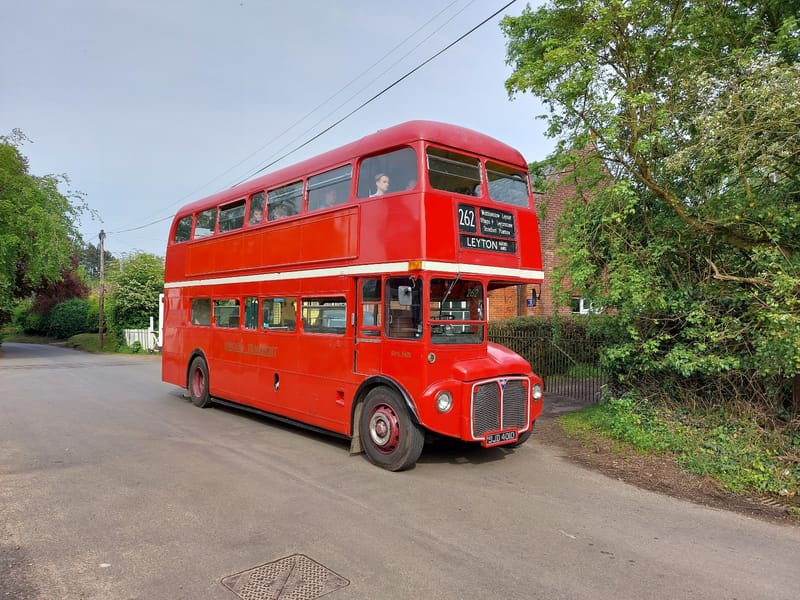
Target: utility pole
[[102, 285]]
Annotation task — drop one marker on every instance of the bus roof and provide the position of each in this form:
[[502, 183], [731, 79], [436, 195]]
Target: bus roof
[[443, 134]]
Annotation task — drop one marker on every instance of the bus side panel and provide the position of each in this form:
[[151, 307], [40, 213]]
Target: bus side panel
[[329, 237], [441, 242], [277, 368], [530, 248], [326, 379], [173, 361], [395, 219], [227, 377]]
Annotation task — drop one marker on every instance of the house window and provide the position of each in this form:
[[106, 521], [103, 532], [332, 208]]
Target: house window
[[581, 306]]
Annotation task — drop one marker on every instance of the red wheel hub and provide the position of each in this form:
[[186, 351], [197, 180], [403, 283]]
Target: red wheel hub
[[384, 429], [198, 383]]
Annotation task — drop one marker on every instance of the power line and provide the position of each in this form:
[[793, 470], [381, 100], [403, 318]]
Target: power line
[[345, 117], [352, 81], [425, 39], [382, 92], [197, 190]]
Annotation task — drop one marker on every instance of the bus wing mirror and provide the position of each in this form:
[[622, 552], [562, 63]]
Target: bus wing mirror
[[404, 295]]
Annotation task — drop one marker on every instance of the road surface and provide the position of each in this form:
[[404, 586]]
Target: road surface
[[113, 486]]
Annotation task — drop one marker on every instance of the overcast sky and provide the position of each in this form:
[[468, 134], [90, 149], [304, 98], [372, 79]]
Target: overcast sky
[[150, 104]]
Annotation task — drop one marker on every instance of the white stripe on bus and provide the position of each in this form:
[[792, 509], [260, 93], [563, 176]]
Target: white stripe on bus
[[394, 267]]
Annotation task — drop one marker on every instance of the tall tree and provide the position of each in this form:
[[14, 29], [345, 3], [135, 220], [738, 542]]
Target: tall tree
[[688, 218], [68, 286], [89, 256], [136, 286], [37, 226]]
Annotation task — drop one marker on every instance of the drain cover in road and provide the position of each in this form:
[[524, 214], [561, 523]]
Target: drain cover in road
[[295, 577]]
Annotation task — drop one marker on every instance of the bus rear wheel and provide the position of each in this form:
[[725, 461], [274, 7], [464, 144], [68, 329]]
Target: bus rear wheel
[[198, 383], [389, 436]]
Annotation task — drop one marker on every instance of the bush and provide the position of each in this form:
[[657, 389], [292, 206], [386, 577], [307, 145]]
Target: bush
[[18, 313], [35, 324], [93, 315], [68, 318], [25, 321]]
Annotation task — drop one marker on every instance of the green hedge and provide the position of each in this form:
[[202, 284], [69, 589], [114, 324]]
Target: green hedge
[[68, 318]]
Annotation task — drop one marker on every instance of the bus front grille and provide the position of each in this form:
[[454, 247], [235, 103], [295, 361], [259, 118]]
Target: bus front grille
[[499, 404]]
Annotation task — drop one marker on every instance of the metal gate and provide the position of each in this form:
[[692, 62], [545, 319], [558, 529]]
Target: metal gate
[[568, 364]]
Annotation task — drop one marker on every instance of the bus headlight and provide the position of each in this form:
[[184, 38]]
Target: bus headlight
[[538, 392], [444, 401]]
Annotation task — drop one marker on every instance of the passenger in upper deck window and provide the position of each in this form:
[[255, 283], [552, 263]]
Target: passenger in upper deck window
[[412, 183], [279, 211], [381, 184], [330, 198], [256, 214]]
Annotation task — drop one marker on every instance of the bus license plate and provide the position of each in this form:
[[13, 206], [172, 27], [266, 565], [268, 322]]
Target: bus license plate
[[500, 437]]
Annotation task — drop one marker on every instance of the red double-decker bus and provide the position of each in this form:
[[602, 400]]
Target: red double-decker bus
[[348, 293]]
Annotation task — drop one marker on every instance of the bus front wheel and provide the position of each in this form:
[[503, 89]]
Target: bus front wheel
[[389, 436], [198, 383]]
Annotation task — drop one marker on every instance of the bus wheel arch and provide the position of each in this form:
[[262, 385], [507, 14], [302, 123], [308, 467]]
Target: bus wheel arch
[[197, 380], [358, 402], [388, 431]]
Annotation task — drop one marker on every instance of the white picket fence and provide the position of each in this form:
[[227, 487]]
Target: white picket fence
[[149, 339]]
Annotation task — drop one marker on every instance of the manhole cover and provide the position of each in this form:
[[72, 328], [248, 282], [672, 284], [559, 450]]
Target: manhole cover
[[295, 577]]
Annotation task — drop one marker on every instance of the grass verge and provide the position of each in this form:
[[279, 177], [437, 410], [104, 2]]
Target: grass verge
[[733, 446], [88, 342]]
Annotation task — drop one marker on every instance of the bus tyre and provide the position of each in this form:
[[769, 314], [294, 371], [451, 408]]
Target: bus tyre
[[198, 383], [389, 436]]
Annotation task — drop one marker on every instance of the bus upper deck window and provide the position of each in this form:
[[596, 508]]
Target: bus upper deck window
[[329, 188], [231, 216], [183, 231], [398, 166], [284, 201], [206, 221], [256, 214], [454, 172], [507, 185]]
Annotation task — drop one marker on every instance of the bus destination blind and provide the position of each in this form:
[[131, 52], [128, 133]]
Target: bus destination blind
[[483, 228]]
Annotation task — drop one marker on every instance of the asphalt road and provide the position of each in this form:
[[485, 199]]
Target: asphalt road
[[113, 486]]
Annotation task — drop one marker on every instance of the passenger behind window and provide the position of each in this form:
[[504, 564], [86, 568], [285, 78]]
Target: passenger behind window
[[412, 183], [256, 215], [330, 198], [381, 184], [279, 211]]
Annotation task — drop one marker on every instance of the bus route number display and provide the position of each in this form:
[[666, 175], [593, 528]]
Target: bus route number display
[[483, 228]]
